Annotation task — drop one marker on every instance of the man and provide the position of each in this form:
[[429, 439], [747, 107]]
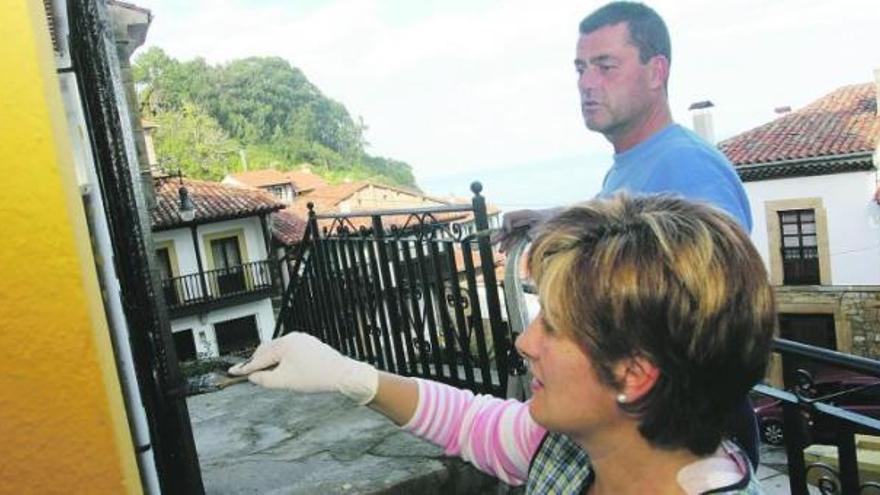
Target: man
[[622, 59]]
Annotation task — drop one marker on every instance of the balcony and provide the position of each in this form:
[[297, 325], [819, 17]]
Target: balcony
[[198, 292]]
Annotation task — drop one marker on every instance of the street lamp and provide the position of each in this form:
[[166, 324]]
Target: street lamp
[[186, 209]]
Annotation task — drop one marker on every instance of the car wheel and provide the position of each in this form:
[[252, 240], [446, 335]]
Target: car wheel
[[771, 432]]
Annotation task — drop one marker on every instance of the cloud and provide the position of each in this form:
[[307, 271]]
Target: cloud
[[457, 85]]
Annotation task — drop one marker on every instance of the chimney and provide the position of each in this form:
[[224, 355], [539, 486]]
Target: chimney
[[782, 110], [702, 116]]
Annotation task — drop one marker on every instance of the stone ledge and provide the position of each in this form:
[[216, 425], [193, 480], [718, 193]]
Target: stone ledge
[[827, 288], [252, 440]]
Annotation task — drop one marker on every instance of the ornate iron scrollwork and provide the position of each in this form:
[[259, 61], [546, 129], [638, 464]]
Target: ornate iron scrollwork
[[829, 481], [340, 226], [870, 488], [461, 335], [425, 227], [804, 386], [829, 478]]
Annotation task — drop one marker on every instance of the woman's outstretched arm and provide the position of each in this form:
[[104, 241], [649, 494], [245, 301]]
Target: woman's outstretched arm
[[498, 436]]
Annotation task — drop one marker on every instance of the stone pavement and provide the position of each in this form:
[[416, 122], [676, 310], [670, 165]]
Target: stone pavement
[[252, 440], [772, 472]]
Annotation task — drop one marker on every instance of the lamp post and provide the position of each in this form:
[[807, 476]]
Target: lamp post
[[186, 209]]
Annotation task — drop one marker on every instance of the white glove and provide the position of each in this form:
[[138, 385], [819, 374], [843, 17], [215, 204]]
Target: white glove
[[305, 364]]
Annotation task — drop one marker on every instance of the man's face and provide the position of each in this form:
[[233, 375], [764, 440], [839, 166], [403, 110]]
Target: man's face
[[616, 88]]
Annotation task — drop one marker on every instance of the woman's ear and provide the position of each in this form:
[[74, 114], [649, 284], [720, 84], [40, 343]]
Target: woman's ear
[[637, 377]]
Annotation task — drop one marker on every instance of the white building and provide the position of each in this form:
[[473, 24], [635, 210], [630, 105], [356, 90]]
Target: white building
[[217, 274], [285, 186], [811, 178]]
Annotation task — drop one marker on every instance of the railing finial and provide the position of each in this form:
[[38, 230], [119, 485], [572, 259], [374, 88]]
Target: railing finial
[[476, 187], [311, 206]]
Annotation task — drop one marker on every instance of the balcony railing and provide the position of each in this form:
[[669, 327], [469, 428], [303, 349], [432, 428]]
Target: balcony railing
[[196, 289], [403, 293], [813, 415]]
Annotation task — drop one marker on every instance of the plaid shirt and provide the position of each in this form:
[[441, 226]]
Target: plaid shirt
[[561, 467]]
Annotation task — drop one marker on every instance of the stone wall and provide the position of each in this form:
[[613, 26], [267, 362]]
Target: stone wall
[[856, 311]]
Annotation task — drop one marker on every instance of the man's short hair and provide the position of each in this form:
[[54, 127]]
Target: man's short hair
[[673, 282], [646, 28]]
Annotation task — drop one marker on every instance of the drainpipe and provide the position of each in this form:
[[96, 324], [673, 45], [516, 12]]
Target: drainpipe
[[119, 333]]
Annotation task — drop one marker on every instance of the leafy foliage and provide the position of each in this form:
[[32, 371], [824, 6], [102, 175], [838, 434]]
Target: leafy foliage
[[193, 141], [261, 105]]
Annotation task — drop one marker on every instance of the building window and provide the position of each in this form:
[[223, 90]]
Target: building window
[[166, 275], [164, 258], [227, 265], [277, 191], [226, 252], [800, 250]]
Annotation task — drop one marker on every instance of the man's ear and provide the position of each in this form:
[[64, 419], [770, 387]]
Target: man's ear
[[637, 377], [659, 75]]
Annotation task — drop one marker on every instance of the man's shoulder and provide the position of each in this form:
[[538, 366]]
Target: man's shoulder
[[685, 146]]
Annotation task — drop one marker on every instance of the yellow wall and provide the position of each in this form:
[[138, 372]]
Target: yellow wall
[[62, 422]]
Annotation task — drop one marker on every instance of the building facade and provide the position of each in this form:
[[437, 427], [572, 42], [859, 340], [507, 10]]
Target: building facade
[[284, 185], [217, 270], [811, 177]]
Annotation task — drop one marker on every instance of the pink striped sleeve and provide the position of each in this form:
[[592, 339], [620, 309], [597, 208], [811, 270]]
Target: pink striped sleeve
[[498, 436]]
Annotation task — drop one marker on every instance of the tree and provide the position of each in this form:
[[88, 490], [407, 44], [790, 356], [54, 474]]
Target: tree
[[261, 104], [192, 141]]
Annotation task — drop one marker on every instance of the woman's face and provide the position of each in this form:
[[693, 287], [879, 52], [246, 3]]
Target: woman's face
[[567, 395]]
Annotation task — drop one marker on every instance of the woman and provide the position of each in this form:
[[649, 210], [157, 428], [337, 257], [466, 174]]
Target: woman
[[656, 320]]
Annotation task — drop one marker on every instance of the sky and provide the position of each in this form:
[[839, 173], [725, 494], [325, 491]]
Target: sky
[[486, 89]]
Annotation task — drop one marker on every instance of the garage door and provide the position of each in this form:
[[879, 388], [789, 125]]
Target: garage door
[[237, 334]]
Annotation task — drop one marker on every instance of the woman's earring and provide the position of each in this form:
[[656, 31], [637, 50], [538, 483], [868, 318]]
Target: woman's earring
[[621, 398]]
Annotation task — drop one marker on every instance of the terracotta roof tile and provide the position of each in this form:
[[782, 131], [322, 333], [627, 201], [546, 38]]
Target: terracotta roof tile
[[327, 198], [261, 178], [305, 181], [213, 202], [840, 123], [288, 227]]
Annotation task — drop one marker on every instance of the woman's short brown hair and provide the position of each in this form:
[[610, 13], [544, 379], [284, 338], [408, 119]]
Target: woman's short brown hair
[[675, 282]]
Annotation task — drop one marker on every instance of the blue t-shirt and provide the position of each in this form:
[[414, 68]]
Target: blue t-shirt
[[675, 160]]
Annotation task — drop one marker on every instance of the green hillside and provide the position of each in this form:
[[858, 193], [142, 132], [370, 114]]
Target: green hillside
[[212, 119]]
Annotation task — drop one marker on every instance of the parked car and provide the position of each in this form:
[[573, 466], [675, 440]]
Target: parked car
[[858, 393]]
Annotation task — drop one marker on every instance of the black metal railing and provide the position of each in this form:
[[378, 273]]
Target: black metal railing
[[413, 299], [217, 285], [405, 290], [812, 414]]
